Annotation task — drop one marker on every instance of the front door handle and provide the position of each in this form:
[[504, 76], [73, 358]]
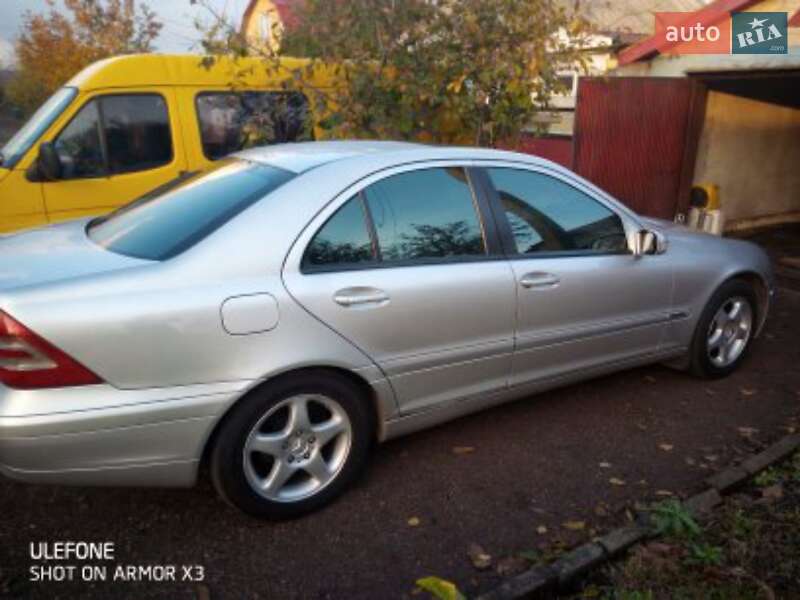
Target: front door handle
[[539, 280], [361, 296]]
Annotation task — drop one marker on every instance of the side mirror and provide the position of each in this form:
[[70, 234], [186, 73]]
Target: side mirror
[[49, 162], [648, 242]]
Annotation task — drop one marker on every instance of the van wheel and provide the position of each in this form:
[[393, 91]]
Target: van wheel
[[725, 330], [292, 447]]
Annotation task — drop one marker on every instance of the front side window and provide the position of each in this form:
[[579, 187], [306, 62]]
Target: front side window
[[79, 145], [164, 225], [233, 121], [137, 132], [546, 214], [116, 134], [428, 214]]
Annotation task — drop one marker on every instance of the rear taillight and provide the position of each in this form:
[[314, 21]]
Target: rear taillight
[[29, 362]]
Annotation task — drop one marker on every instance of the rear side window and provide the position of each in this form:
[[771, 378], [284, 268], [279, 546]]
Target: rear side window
[[116, 134], [425, 215], [163, 226], [233, 121], [344, 240]]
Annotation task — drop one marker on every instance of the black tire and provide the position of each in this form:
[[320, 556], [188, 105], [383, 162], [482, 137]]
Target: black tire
[[701, 363], [228, 471]]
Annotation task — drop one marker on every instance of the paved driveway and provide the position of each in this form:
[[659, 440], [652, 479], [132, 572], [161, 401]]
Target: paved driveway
[[535, 463]]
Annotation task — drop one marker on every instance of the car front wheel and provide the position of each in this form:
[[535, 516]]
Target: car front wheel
[[725, 330], [291, 447]]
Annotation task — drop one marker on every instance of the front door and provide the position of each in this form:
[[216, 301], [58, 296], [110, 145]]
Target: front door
[[584, 301], [115, 149], [404, 270]]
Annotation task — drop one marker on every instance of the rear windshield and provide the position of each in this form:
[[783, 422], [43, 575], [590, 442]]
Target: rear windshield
[[162, 225]]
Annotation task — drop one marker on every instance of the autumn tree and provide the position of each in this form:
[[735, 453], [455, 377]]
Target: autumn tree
[[54, 46], [466, 71]]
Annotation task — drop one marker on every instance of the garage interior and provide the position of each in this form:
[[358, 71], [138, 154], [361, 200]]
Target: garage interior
[[750, 146]]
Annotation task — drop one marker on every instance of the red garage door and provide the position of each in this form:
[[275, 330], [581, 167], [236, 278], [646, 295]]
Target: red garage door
[[636, 137]]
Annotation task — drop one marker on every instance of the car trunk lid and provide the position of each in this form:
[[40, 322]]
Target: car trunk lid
[[55, 253]]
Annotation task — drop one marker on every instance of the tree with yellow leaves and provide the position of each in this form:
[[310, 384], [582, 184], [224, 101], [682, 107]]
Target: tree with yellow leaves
[[447, 71], [54, 46]]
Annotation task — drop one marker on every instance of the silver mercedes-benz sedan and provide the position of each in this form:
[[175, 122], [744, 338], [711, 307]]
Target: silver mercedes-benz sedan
[[277, 316]]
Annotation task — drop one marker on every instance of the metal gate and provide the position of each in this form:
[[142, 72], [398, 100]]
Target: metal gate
[[636, 137]]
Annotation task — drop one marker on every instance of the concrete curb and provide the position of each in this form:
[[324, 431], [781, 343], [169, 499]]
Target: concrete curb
[[545, 581]]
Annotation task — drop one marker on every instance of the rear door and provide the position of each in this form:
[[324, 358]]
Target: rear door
[[116, 148], [636, 138], [406, 267]]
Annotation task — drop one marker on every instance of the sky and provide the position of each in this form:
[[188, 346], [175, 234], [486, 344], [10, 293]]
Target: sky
[[178, 16]]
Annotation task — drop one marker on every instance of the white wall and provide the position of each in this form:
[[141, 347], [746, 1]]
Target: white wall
[[750, 149]]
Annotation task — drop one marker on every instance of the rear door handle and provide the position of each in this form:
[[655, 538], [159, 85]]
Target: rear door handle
[[539, 280], [361, 296]]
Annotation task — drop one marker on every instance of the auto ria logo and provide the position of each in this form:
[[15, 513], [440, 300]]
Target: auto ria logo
[[740, 33], [760, 33]]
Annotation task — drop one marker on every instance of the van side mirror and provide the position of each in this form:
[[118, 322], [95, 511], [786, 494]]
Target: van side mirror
[[648, 242], [49, 162]]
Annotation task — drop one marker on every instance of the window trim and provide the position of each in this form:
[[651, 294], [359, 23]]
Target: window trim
[[493, 249], [104, 140], [504, 227], [228, 92]]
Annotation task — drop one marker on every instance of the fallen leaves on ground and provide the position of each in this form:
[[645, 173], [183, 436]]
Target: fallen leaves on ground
[[414, 522], [463, 449], [511, 565], [574, 525], [605, 465], [541, 530], [773, 492], [616, 481], [440, 588], [748, 392], [479, 557], [666, 447]]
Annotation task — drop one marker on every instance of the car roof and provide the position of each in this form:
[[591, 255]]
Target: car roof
[[303, 156]]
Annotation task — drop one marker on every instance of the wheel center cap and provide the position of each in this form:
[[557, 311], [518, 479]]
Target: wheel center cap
[[298, 446]]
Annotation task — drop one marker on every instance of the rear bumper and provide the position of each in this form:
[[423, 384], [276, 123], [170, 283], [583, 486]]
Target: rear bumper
[[99, 435]]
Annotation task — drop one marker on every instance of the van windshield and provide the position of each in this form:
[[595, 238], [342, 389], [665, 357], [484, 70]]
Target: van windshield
[[41, 120], [162, 225]]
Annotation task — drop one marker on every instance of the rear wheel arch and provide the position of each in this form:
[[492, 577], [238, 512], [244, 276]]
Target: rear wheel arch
[[366, 391]]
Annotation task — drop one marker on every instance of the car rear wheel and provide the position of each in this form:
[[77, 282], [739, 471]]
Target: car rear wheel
[[725, 330], [292, 446]]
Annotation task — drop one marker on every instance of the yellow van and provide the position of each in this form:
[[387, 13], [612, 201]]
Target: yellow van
[[130, 124]]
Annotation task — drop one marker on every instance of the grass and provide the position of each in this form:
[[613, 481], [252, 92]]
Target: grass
[[748, 549]]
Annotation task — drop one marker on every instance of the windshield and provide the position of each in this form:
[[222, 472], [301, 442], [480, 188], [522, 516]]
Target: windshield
[[160, 226], [27, 135]]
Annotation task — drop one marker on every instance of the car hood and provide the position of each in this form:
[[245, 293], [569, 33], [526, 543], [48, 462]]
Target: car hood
[[3, 173], [55, 253]]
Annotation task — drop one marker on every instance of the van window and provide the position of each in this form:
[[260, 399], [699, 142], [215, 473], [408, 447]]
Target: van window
[[161, 226], [41, 120], [116, 134], [137, 132], [79, 146], [233, 121]]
